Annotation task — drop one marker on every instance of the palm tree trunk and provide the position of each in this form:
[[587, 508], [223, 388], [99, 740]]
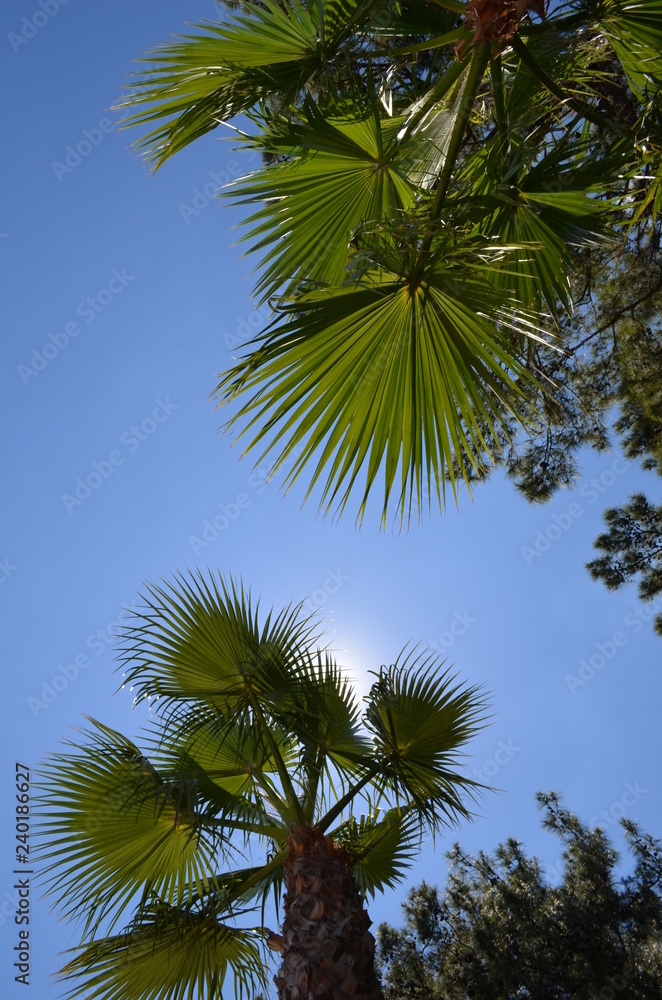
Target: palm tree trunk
[[328, 951]]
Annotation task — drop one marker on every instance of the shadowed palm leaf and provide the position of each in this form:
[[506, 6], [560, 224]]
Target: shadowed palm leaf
[[131, 824], [382, 848], [166, 954]]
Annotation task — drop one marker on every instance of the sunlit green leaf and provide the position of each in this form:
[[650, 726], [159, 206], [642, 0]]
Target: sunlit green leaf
[[375, 378], [168, 954], [126, 829]]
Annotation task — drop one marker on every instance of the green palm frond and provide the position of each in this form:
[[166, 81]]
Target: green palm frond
[[325, 721], [651, 202], [382, 847], [335, 173], [230, 763], [426, 148], [413, 17], [234, 890], [545, 223], [634, 29], [420, 719], [396, 373], [197, 82], [564, 56], [168, 954], [544, 204], [574, 47], [199, 638], [339, 20], [111, 827], [326, 718], [230, 756]]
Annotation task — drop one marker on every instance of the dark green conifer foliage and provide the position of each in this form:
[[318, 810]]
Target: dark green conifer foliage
[[633, 549], [501, 929]]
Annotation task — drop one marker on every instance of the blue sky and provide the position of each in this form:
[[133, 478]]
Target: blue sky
[[124, 289]]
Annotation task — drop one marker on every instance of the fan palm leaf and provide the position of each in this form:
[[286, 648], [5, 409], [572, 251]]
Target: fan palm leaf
[[395, 373], [334, 174], [134, 830], [198, 81], [381, 846], [167, 954], [202, 641], [634, 29], [419, 718]]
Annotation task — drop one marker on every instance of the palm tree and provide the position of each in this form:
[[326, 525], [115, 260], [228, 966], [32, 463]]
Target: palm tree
[[428, 171], [259, 772]]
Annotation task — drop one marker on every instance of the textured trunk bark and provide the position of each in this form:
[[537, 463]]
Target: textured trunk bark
[[328, 951], [498, 20]]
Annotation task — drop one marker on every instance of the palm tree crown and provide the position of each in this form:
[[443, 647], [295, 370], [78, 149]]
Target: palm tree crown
[[429, 168], [258, 749]]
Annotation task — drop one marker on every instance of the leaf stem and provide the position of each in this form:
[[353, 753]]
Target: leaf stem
[[289, 792], [441, 87], [496, 75], [274, 832], [336, 810], [259, 874], [453, 5], [571, 102], [477, 68], [315, 774], [429, 43]]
